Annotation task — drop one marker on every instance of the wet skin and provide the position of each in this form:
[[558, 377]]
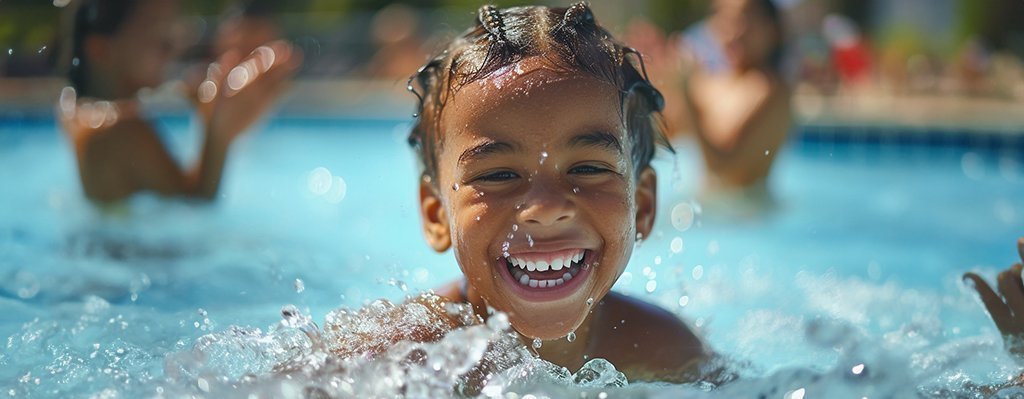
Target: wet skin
[[534, 164]]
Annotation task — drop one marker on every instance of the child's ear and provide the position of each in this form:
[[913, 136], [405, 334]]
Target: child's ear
[[646, 201], [435, 219]]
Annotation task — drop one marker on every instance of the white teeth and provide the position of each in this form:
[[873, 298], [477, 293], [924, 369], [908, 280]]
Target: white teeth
[[570, 264], [557, 264]]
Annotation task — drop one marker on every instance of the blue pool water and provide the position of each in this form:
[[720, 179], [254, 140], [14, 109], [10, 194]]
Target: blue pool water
[[849, 288]]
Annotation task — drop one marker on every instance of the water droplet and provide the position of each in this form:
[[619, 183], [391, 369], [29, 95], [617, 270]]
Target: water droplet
[[766, 152], [515, 227], [683, 301], [207, 91], [41, 50], [319, 181], [478, 218], [75, 61], [575, 190], [238, 78], [682, 216], [543, 156], [529, 239], [338, 191], [858, 369], [590, 301], [657, 260], [10, 51], [415, 115], [698, 272], [677, 245], [571, 337], [639, 237], [455, 187], [299, 285], [651, 286], [537, 343], [713, 247]]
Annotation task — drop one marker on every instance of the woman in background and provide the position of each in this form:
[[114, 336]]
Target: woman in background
[[741, 112], [122, 46]]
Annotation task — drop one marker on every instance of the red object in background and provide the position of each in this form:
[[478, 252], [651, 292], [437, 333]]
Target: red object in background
[[853, 61]]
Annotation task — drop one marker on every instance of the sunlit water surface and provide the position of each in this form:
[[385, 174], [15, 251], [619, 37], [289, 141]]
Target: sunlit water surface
[[850, 287]]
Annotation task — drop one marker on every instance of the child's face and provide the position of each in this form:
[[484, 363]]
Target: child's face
[[745, 31], [139, 53], [534, 169]]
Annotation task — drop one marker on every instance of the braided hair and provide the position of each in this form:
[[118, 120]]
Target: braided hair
[[570, 38]]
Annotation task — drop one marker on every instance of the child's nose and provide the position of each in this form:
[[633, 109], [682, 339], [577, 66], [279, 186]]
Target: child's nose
[[546, 207]]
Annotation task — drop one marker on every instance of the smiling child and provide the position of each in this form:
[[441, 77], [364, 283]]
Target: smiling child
[[535, 138]]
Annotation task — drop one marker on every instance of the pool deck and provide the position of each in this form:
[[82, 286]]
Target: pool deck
[[378, 99]]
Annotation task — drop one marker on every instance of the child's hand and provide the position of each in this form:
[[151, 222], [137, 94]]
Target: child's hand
[[1006, 310], [237, 91]]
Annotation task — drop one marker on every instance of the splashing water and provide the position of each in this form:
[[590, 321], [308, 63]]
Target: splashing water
[[352, 356]]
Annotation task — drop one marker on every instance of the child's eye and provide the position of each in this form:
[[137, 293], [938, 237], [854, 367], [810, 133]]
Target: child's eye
[[589, 170], [499, 176]]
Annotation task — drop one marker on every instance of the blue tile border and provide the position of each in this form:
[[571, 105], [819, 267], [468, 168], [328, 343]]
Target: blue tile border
[[938, 137]]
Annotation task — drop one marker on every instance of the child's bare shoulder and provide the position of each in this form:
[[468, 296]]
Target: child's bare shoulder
[[645, 341]]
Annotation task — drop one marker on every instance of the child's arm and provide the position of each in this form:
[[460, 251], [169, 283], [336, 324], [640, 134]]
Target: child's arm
[[1007, 309]]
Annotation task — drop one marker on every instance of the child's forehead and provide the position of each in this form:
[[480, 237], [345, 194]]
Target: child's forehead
[[524, 84]]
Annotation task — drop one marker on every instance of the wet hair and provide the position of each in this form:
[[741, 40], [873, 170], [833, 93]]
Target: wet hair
[[94, 17], [567, 38]]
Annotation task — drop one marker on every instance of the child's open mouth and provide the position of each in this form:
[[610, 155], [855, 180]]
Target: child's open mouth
[[546, 274]]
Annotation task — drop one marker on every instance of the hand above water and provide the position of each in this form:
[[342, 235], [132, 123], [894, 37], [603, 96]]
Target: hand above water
[[237, 90], [1007, 307]]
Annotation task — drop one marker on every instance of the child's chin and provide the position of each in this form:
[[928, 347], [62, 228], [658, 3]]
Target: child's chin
[[547, 325]]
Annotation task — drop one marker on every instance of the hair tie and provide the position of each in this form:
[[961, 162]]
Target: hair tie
[[578, 14], [490, 18]]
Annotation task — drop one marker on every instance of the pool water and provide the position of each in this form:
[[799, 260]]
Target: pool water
[[849, 287]]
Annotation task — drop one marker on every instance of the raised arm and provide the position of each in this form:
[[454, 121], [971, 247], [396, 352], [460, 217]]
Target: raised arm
[[731, 119], [120, 153], [1007, 307]]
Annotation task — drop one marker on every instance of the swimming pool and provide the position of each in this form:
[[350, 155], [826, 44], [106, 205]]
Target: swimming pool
[[849, 288]]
